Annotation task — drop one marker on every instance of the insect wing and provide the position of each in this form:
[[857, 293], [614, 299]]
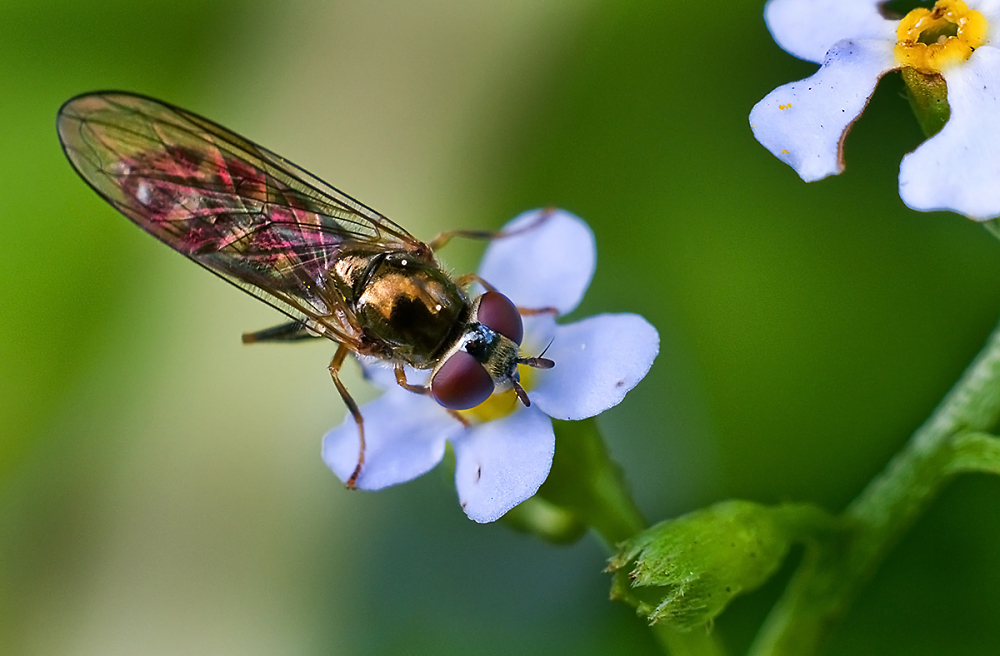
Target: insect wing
[[230, 205]]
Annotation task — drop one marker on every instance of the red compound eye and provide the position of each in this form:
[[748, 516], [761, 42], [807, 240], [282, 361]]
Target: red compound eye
[[497, 313], [461, 382]]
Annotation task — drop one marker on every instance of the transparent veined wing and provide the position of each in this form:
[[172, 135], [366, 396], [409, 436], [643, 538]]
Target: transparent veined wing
[[238, 209]]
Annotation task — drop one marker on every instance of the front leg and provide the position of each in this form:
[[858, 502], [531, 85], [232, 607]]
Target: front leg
[[468, 278], [488, 235], [425, 389], [409, 387]]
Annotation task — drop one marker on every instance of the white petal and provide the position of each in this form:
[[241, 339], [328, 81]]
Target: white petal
[[809, 28], [539, 331], [377, 372], [958, 169], [803, 123], [549, 265], [990, 9], [405, 437], [501, 463], [597, 361]]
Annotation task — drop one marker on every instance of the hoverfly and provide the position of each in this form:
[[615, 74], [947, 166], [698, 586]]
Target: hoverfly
[[337, 268]]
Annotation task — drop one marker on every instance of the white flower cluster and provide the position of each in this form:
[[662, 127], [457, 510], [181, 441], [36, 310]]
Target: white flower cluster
[[804, 123]]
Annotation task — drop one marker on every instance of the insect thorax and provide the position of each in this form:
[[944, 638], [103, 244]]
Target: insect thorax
[[406, 307]]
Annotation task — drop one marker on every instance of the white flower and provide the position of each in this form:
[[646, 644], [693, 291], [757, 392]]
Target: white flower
[[504, 456], [804, 123]]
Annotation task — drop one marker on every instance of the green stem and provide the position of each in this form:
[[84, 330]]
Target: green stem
[[586, 482], [587, 485], [616, 518], [975, 452], [832, 572], [699, 642]]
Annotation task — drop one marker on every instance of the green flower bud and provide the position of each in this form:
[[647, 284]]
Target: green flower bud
[[683, 572]]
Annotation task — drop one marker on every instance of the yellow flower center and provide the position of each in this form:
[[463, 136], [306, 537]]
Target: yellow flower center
[[501, 404], [931, 40]]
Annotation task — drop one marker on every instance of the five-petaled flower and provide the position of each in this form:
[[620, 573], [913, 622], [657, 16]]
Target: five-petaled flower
[[504, 453], [804, 123]]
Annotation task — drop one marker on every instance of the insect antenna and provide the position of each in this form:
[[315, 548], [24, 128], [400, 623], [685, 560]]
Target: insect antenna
[[521, 394], [538, 362]]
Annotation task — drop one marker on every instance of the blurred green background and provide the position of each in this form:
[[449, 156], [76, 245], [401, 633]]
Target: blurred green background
[[161, 490]]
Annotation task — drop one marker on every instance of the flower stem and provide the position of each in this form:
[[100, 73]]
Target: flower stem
[[832, 572], [589, 486], [586, 481], [699, 642], [975, 452]]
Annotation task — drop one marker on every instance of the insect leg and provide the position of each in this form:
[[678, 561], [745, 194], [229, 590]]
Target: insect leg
[[458, 415], [490, 235], [293, 331], [444, 237], [424, 389], [467, 278], [530, 312], [335, 364], [409, 387]]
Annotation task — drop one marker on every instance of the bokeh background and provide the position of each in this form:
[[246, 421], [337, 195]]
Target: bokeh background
[[161, 490]]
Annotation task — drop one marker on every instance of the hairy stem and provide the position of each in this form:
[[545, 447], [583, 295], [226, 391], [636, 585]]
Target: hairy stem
[[589, 486], [699, 642], [833, 571]]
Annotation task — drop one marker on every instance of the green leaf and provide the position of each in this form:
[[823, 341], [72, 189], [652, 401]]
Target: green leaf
[[685, 571]]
